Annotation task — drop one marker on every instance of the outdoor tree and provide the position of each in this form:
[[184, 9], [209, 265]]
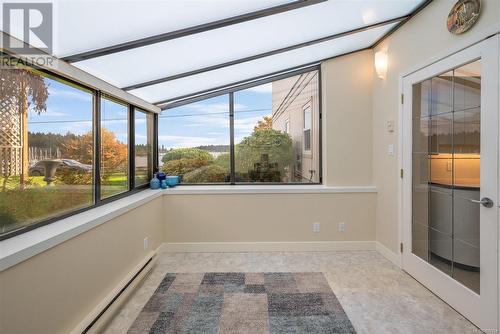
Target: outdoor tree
[[20, 90], [266, 155], [265, 124], [114, 154]]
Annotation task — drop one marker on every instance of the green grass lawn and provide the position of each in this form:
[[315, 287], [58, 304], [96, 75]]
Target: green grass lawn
[[37, 201], [13, 182], [21, 207], [114, 184]]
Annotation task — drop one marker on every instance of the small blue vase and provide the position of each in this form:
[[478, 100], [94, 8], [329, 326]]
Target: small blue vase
[[161, 176], [154, 183], [164, 184]]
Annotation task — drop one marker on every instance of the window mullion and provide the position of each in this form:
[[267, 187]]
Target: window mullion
[[131, 143], [97, 147], [155, 165], [231, 137]]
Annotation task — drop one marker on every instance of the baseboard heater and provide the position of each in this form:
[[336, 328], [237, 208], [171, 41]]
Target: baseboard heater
[[100, 316]]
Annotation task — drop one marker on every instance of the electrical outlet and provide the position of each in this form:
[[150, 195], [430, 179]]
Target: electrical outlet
[[146, 243], [316, 227], [342, 227]]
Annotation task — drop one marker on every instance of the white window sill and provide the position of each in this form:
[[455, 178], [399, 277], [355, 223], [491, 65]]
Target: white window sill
[[21, 247], [24, 246], [266, 189]]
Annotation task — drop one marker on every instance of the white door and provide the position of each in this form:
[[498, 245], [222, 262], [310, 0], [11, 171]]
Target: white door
[[450, 189]]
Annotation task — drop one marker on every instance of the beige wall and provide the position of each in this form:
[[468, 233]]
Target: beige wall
[[53, 291], [347, 113], [422, 38], [347, 156], [268, 217]]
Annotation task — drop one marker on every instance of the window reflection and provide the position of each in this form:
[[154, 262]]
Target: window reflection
[[194, 141], [114, 148], [143, 141], [46, 148], [446, 172], [277, 131]]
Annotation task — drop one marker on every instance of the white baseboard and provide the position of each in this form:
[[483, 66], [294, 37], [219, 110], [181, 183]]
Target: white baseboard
[[229, 247], [106, 309], [388, 254], [312, 246]]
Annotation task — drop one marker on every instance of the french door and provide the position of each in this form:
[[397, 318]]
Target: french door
[[450, 195]]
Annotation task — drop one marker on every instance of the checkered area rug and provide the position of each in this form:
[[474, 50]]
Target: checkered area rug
[[250, 303]]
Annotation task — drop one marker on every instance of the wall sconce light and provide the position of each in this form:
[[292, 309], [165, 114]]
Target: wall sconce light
[[381, 64]]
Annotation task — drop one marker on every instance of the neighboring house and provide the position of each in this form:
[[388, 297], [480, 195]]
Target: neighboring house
[[295, 111]]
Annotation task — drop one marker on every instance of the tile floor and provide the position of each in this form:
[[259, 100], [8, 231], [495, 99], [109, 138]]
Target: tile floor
[[376, 295]]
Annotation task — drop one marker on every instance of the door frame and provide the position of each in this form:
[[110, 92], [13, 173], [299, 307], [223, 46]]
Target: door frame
[[457, 58]]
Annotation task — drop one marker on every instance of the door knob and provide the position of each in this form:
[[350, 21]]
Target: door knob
[[485, 201]]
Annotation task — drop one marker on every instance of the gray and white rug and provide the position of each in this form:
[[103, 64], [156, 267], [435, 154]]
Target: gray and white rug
[[250, 303]]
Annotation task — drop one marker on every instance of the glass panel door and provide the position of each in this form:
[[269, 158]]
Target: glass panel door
[[446, 172], [449, 204]]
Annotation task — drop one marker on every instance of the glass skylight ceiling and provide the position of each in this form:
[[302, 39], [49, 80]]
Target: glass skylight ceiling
[[306, 31], [84, 25], [248, 70]]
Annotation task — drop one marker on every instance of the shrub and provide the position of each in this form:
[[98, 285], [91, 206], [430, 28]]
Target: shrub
[[35, 204], [187, 153], [206, 174], [6, 221], [223, 160], [183, 166], [73, 177]]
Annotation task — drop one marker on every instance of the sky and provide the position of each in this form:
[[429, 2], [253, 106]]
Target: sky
[[70, 109], [207, 122]]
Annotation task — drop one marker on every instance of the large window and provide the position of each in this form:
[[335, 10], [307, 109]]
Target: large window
[[268, 133], [194, 141], [114, 148], [143, 141], [46, 148]]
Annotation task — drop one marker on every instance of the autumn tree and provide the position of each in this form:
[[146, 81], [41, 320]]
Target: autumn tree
[[265, 124], [114, 154]]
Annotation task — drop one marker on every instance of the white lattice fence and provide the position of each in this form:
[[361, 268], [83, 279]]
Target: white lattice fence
[[10, 138]]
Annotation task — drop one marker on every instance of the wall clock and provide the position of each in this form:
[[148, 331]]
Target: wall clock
[[463, 16]]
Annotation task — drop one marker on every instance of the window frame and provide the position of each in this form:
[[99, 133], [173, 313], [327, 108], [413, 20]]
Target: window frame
[[243, 86], [96, 128], [133, 111], [307, 108], [130, 149]]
